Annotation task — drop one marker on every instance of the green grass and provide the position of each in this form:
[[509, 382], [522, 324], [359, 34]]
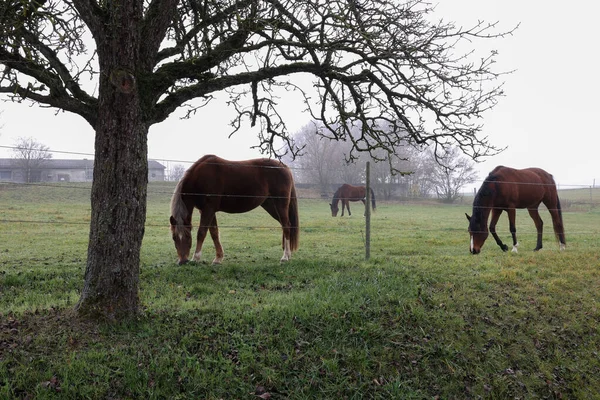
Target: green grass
[[423, 318]]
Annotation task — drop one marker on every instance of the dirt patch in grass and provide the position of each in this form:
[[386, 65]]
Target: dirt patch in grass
[[44, 332]]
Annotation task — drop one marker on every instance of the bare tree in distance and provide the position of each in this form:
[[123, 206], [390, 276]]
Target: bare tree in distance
[[176, 172], [319, 158], [30, 155], [325, 162], [390, 175], [390, 67], [449, 173], [351, 169]]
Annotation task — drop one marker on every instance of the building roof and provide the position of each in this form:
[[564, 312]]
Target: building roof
[[68, 164]]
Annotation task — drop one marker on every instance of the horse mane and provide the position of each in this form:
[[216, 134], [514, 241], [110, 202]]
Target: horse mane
[[483, 195], [178, 209], [336, 195]]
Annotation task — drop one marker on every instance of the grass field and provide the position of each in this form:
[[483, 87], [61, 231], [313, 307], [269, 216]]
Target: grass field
[[421, 319]]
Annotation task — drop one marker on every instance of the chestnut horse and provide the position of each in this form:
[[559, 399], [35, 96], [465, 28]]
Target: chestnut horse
[[506, 189], [347, 193], [213, 184]]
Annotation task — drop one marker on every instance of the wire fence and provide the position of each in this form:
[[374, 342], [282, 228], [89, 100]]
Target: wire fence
[[158, 192], [575, 198], [585, 196]]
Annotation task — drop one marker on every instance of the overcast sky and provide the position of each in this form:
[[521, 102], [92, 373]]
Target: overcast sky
[[547, 117]]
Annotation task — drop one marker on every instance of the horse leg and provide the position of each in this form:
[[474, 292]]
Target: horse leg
[[287, 250], [494, 220], [364, 204], [512, 214], [214, 234], [539, 226], [278, 209], [206, 218]]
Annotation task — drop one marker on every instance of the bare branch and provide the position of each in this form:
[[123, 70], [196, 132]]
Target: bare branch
[[384, 72]]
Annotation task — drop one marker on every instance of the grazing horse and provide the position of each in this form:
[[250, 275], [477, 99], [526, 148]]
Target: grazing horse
[[506, 189], [347, 193], [213, 184]]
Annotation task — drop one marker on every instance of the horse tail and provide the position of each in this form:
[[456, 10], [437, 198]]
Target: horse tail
[[373, 199], [294, 220], [561, 230], [557, 219]]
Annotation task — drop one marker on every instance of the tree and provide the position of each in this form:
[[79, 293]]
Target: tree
[[376, 63], [176, 172], [449, 173], [30, 156], [318, 160], [326, 162], [389, 175]]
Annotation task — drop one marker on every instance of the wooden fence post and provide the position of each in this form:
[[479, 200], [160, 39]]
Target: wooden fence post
[[368, 214]]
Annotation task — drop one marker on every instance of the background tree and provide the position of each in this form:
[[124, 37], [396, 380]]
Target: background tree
[[325, 163], [30, 156], [386, 66], [449, 173], [176, 172], [318, 159], [350, 168], [390, 177]]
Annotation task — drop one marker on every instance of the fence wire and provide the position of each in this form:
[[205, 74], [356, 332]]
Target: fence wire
[[157, 189]]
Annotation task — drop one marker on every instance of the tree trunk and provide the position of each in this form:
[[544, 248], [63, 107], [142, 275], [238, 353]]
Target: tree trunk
[[120, 175], [117, 225], [117, 219]]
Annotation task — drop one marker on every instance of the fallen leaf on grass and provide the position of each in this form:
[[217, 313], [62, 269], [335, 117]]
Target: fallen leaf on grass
[[53, 384], [262, 393]]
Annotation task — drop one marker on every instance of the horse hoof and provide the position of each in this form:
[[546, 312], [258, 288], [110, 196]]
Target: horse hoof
[[182, 262], [504, 247]]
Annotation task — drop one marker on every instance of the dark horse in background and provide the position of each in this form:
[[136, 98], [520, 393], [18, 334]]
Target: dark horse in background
[[506, 189], [213, 184], [347, 193]]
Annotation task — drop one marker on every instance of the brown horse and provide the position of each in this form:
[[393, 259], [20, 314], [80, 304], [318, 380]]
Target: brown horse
[[347, 193], [506, 189], [213, 184]]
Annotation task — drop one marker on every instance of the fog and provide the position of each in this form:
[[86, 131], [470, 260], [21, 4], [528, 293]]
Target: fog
[[546, 118]]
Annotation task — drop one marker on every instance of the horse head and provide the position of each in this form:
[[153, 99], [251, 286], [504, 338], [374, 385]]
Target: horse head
[[182, 236], [478, 231], [334, 209]]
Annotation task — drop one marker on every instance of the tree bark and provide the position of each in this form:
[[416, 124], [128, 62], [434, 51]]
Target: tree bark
[[117, 221], [118, 198]]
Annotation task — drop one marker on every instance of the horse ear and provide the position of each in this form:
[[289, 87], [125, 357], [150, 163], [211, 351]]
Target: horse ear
[[172, 220], [467, 215]]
